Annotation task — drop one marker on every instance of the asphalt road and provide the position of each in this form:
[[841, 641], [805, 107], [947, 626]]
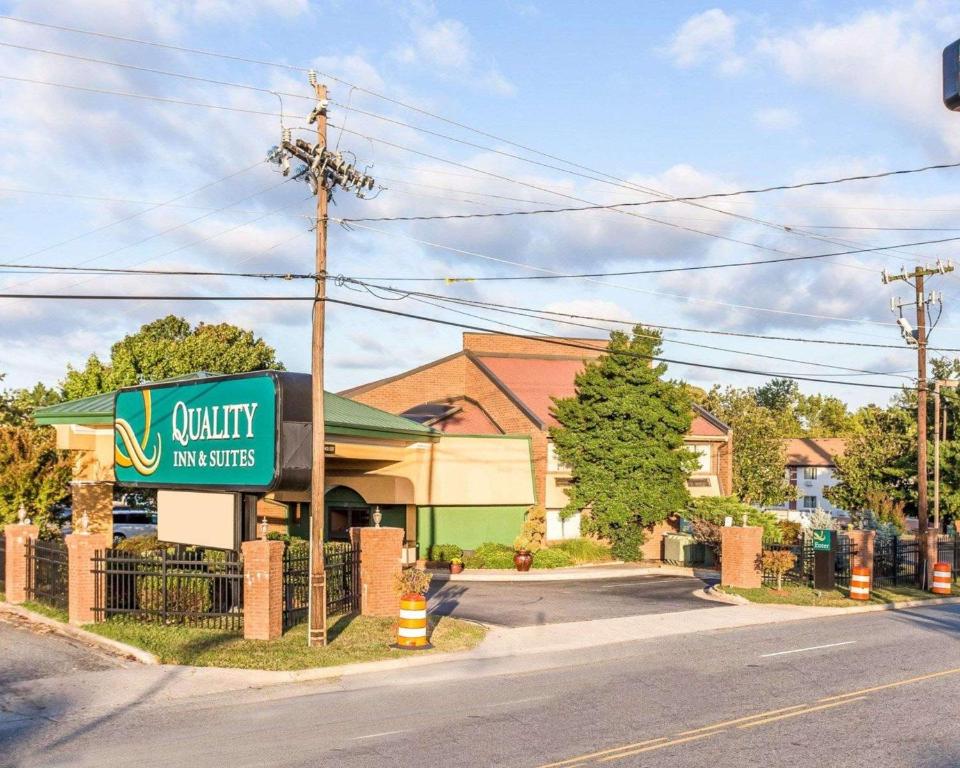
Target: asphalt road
[[519, 604], [878, 690], [34, 653]]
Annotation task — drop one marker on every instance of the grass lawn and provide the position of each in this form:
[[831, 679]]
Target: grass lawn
[[793, 594], [351, 639], [45, 610]]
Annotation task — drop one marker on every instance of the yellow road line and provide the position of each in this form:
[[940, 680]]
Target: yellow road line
[[569, 763], [659, 746], [931, 676], [741, 719], [800, 712]]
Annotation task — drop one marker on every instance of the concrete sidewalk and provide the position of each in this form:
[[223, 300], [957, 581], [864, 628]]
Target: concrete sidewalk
[[577, 573]]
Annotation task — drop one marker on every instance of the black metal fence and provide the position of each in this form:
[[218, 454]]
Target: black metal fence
[[48, 572], [194, 588], [948, 551], [895, 561], [342, 567], [802, 570], [3, 563]]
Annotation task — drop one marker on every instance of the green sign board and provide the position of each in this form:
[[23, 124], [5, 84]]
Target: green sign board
[[822, 539], [202, 433]]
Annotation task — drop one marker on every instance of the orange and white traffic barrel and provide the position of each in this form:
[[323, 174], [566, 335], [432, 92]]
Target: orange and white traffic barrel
[[412, 631], [942, 579], [860, 584]]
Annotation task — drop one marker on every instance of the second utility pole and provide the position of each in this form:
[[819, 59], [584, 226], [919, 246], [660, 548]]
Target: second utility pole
[[318, 580]]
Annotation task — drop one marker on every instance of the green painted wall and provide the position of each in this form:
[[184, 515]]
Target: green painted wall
[[468, 527]]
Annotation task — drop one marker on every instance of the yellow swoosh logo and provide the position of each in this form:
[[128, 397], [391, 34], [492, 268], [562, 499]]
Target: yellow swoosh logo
[[136, 450]]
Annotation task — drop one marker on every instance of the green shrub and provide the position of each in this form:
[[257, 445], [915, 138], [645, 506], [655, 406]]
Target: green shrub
[[491, 555], [584, 550], [186, 594], [627, 542], [551, 558], [141, 545], [444, 553], [714, 509]]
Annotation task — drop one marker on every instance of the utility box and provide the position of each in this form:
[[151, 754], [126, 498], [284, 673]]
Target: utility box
[[681, 549]]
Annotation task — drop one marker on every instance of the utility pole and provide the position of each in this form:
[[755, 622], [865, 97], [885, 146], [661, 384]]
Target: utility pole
[[939, 423], [325, 171], [918, 338]]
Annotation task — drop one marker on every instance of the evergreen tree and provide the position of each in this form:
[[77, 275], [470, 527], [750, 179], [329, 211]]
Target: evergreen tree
[[622, 435]]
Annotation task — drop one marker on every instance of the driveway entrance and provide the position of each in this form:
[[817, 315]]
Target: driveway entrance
[[521, 604]]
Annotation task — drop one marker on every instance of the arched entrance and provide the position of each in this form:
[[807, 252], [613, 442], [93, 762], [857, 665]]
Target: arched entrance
[[346, 509]]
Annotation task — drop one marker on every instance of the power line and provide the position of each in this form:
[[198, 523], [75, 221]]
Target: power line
[[683, 199], [355, 87], [615, 207], [575, 345], [511, 311], [548, 339], [152, 207], [54, 269], [660, 270], [631, 288]]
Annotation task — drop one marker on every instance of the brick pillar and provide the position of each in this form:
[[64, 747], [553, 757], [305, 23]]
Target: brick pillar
[[864, 543], [16, 555], [95, 497], [380, 556], [741, 549], [262, 589], [81, 548]]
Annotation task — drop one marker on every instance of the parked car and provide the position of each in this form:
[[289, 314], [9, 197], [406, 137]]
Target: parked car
[[127, 522]]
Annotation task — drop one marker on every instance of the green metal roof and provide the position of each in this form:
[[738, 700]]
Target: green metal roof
[[342, 416]]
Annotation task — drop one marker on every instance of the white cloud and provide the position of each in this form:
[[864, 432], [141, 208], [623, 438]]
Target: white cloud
[[445, 47], [776, 118], [884, 60], [710, 39]]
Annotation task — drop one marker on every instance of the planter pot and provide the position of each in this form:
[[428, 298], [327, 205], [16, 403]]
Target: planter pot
[[523, 560], [456, 567]]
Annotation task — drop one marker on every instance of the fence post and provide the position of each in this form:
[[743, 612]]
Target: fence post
[[16, 561], [83, 577], [262, 589], [741, 549], [381, 555]]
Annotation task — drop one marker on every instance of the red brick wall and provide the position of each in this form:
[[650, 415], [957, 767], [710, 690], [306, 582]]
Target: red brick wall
[[486, 343], [83, 582], [435, 382], [725, 467], [262, 589], [380, 554], [16, 560], [741, 548]]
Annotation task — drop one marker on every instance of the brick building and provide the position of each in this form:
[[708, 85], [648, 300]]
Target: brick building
[[503, 385]]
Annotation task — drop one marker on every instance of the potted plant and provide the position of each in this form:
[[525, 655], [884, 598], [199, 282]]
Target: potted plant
[[456, 565], [412, 585], [523, 556]]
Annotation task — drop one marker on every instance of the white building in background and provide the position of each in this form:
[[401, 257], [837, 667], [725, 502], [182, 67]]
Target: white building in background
[[811, 468]]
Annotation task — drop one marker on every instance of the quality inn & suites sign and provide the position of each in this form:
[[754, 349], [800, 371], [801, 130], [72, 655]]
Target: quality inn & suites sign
[[214, 433]]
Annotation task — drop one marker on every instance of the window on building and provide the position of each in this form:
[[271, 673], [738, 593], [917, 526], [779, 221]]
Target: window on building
[[809, 473], [810, 502], [704, 455], [553, 463]]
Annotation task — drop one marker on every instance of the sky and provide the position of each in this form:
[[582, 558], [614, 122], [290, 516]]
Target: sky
[[489, 107]]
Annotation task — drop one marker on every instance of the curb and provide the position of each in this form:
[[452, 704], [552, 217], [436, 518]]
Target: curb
[[583, 573], [717, 596], [68, 630]]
